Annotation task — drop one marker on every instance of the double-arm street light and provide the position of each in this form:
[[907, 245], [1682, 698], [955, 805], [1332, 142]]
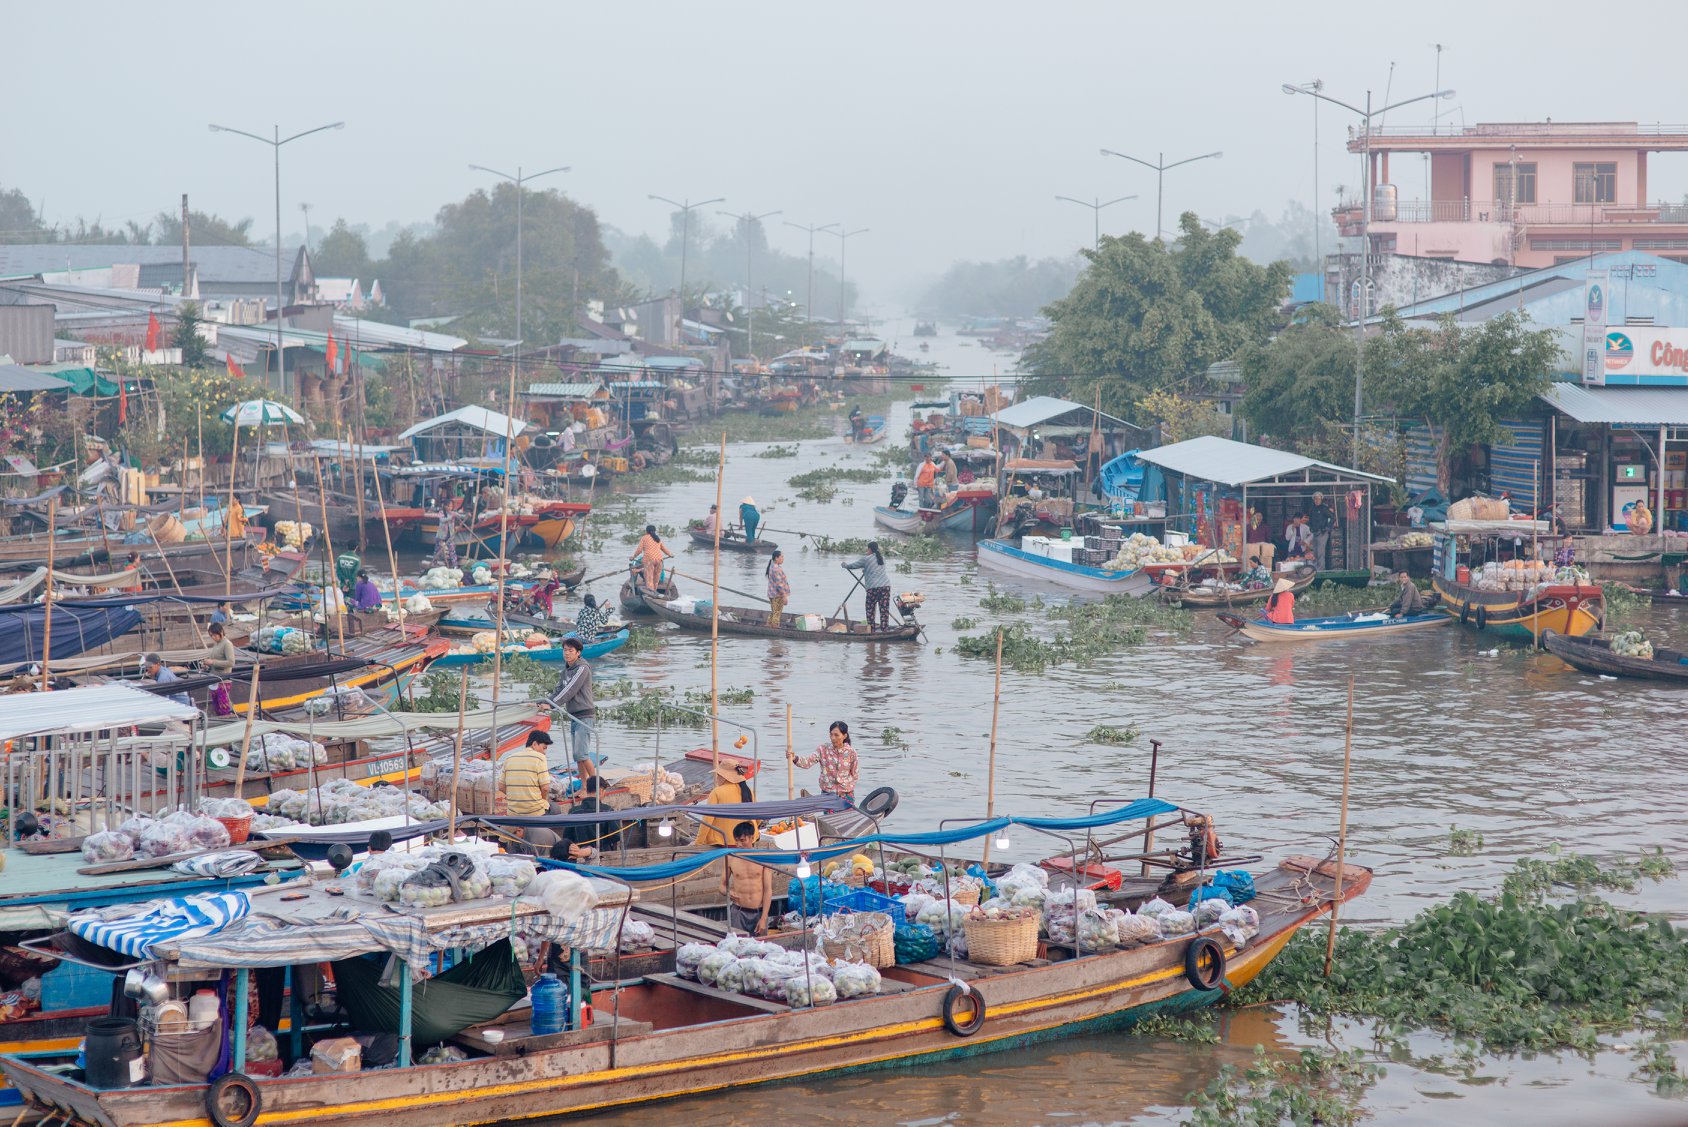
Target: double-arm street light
[[1160, 166], [1096, 207], [519, 180], [809, 308], [686, 210], [1362, 310], [276, 142], [844, 238], [747, 220]]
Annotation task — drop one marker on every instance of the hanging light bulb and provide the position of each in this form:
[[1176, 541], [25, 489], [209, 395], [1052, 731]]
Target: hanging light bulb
[[1001, 841], [665, 828], [803, 869]]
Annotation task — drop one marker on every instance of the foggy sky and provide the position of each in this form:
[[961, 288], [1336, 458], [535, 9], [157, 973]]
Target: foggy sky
[[946, 128]]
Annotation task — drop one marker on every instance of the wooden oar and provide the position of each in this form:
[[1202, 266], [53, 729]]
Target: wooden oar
[[846, 602], [723, 586]]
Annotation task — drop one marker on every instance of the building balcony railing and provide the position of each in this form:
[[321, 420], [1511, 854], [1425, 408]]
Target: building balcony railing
[[1489, 131], [1349, 213]]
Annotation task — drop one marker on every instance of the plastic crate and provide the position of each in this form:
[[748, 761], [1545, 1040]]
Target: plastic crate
[[863, 900], [71, 986]]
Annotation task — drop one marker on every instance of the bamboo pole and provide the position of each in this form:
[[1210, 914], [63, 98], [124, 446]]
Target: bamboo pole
[[1341, 833], [357, 478], [503, 560], [199, 424], [457, 751], [193, 620], [228, 514], [1149, 830], [990, 774], [47, 602], [392, 558], [790, 753], [329, 574], [252, 700], [715, 618]]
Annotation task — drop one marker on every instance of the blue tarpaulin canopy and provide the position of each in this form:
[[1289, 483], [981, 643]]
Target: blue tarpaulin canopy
[[75, 630]]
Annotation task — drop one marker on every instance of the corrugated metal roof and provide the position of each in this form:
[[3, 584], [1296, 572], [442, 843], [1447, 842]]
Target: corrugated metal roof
[[563, 390], [92, 708], [244, 265], [14, 377], [480, 418], [1043, 408], [1638, 407], [1225, 462]]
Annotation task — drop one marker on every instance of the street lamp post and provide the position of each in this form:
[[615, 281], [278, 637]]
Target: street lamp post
[[809, 308], [276, 143], [1160, 166], [1315, 87], [1096, 207], [749, 297], [843, 249], [685, 243], [518, 180], [1363, 310]]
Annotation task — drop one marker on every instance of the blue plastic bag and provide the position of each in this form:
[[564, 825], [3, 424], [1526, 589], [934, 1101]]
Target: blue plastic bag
[[1240, 884]]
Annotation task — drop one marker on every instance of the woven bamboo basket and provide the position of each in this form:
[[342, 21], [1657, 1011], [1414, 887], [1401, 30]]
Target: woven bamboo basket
[[1000, 943], [965, 893], [639, 786], [866, 935]]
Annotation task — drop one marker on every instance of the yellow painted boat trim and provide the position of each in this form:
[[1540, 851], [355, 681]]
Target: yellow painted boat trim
[[1254, 961], [358, 682]]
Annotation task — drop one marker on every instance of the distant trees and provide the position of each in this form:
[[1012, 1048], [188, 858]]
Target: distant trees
[[1008, 287], [204, 229], [342, 253], [1300, 386], [1150, 315]]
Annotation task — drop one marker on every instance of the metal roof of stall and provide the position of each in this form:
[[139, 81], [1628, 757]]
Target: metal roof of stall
[[1639, 408], [1041, 409], [476, 418], [1225, 462], [92, 708]]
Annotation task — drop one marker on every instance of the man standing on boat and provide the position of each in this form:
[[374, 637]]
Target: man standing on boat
[[748, 886], [445, 538], [1321, 520], [924, 480], [573, 695]]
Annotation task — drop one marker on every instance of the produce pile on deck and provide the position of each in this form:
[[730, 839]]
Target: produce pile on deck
[[340, 801], [741, 964], [1524, 575], [1141, 549], [1633, 643], [180, 832]]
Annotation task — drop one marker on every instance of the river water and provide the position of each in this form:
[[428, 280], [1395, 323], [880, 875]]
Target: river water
[[1448, 731]]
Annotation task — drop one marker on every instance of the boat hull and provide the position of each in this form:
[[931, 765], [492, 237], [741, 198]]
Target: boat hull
[[548, 654], [962, 518], [1572, 610], [1343, 628], [1002, 557], [752, 623], [732, 542], [1594, 655]]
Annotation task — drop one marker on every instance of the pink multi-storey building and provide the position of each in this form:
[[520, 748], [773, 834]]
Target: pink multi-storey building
[[1523, 194]]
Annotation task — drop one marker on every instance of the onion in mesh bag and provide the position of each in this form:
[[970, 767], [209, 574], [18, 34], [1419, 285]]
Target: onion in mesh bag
[[1141, 929], [1243, 918], [100, 848], [163, 839], [687, 958], [1208, 911], [1177, 923], [855, 980], [709, 970], [1155, 908], [135, 827]]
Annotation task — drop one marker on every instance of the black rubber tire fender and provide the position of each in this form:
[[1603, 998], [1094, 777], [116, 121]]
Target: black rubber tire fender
[[231, 1091], [1464, 613], [1204, 963], [1481, 618], [877, 798], [975, 1001]]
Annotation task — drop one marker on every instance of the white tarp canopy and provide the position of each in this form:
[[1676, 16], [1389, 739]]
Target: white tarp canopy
[[1224, 462], [1046, 408], [94, 708], [477, 418]]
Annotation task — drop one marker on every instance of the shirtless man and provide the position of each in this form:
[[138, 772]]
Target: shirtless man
[[748, 887]]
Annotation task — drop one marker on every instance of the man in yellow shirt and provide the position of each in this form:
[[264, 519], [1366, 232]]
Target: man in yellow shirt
[[524, 776]]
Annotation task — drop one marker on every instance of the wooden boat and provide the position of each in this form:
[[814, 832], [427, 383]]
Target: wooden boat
[[1335, 628], [633, 593], [873, 429], [970, 511], [457, 596], [1573, 609], [1003, 557], [1213, 597], [1662, 595], [384, 661], [552, 654], [664, 1036], [750, 622], [1592, 653], [1357, 577], [731, 542], [340, 519], [365, 622]]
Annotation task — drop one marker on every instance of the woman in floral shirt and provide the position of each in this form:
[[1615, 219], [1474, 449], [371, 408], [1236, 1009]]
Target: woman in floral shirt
[[839, 768], [779, 587]]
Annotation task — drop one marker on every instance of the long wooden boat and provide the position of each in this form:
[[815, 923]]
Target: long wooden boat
[[873, 430], [1592, 653], [753, 623], [731, 542], [77, 552], [1573, 609], [469, 594], [970, 511], [1662, 595], [665, 1037], [552, 654], [1343, 627], [1003, 557], [1215, 597], [340, 518], [388, 657]]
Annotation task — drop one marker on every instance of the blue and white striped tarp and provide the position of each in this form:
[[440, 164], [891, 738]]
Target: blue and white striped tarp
[[136, 931], [1421, 442], [229, 863], [1516, 468]]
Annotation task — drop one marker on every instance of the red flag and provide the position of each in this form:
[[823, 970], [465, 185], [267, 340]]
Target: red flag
[[346, 367], [152, 332], [122, 401], [234, 369], [333, 352]]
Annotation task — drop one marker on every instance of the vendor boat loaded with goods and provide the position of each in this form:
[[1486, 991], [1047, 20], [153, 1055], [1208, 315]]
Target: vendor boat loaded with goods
[[973, 957], [1483, 572]]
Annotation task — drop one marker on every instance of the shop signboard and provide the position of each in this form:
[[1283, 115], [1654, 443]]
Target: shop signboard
[[1645, 356], [1594, 329]]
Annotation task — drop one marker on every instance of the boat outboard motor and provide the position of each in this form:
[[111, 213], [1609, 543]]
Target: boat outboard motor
[[899, 490]]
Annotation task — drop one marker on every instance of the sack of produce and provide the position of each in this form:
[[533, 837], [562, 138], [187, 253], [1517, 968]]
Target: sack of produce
[[1207, 912], [856, 980], [261, 1044], [740, 946], [709, 970], [689, 957], [1097, 929], [1155, 908], [163, 839], [1177, 923], [135, 827], [1138, 928], [108, 846], [914, 943], [809, 990], [510, 876], [1240, 924]]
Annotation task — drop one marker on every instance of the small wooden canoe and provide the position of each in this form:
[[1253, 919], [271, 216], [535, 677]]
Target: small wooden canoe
[[751, 622], [1213, 597], [633, 594], [1592, 653], [604, 644], [732, 542], [1338, 627]]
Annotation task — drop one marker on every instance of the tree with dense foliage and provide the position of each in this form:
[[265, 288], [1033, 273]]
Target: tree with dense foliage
[[342, 253], [1008, 287], [203, 230], [1146, 315], [1180, 418], [187, 338], [1300, 385], [1461, 380]]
